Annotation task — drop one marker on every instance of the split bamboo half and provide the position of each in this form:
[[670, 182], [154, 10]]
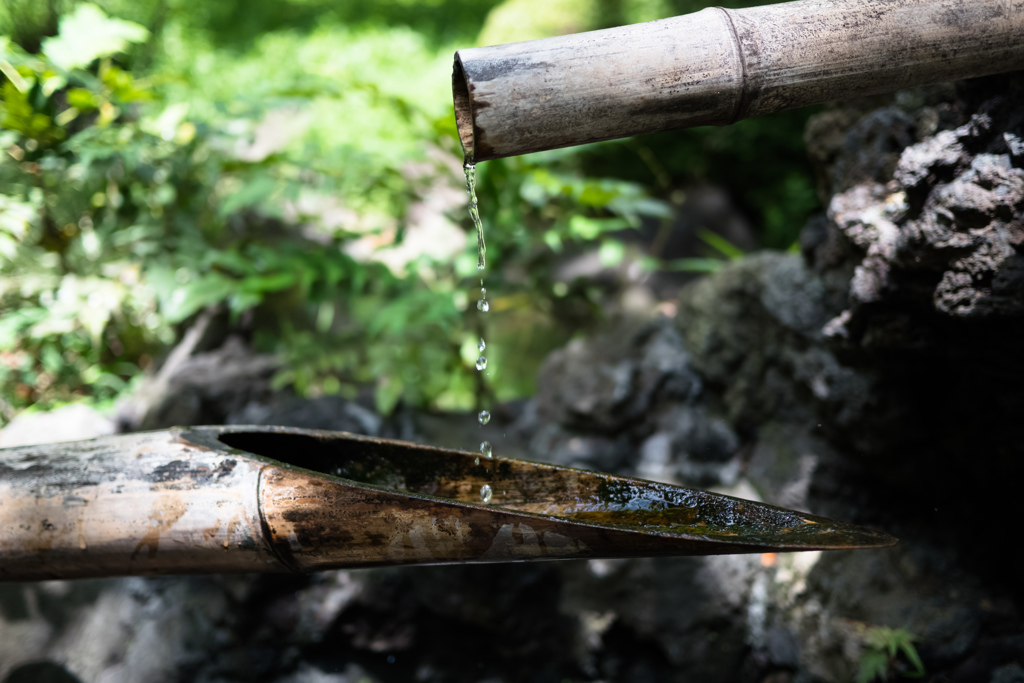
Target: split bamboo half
[[273, 499]]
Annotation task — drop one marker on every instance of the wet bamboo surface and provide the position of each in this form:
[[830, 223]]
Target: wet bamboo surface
[[247, 499], [717, 66]]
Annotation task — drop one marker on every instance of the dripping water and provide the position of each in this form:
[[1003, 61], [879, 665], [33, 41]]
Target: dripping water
[[482, 305], [474, 213]]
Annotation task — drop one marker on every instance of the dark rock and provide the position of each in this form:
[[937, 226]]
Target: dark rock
[[325, 412], [699, 630], [782, 648], [41, 672], [648, 422], [1011, 673], [876, 379], [554, 444], [208, 376], [865, 151], [604, 383], [775, 300]]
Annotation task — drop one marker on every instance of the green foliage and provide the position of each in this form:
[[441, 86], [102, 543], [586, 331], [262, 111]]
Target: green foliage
[[882, 655], [761, 162], [28, 22], [160, 157], [127, 214], [73, 311]]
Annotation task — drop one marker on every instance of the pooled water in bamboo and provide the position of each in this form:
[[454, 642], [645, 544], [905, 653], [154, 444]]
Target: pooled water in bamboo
[[483, 417]]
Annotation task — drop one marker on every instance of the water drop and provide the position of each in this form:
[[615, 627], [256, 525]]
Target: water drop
[[482, 305], [485, 448], [485, 493], [477, 461], [483, 292], [482, 345], [484, 417], [481, 363]]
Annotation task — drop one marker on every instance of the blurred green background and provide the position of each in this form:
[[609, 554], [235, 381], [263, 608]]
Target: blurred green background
[[295, 161]]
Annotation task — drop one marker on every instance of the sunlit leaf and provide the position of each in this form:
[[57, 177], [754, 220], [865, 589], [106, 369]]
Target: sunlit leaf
[[86, 34]]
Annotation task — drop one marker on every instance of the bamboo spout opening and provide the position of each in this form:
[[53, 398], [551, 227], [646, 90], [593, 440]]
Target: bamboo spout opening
[[463, 109]]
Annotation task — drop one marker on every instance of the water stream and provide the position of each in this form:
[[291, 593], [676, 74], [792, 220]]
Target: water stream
[[474, 213], [482, 305]]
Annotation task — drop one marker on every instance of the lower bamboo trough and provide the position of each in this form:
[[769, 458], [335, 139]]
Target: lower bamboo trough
[[272, 499]]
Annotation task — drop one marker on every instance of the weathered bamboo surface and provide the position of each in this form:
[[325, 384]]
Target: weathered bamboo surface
[[717, 66], [129, 504], [249, 499]]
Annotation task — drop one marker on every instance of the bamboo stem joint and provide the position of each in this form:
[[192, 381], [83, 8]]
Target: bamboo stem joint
[[717, 66]]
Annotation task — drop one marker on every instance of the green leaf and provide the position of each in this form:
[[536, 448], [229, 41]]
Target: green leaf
[[716, 241], [611, 253], [196, 294], [13, 323], [88, 34], [874, 665], [387, 393], [910, 652], [8, 69], [273, 282], [695, 265], [585, 228], [81, 99]]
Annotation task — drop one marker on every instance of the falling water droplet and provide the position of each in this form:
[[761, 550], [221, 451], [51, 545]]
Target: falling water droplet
[[485, 448], [485, 493], [481, 363], [482, 345], [476, 461], [484, 417], [482, 305]]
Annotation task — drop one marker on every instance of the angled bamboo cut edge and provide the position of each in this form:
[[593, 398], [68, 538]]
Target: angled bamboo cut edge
[[274, 499], [718, 66]]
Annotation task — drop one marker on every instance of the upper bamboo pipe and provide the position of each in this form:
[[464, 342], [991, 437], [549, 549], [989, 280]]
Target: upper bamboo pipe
[[717, 66]]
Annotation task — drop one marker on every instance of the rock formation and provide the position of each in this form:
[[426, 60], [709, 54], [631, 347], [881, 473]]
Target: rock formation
[[876, 377]]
